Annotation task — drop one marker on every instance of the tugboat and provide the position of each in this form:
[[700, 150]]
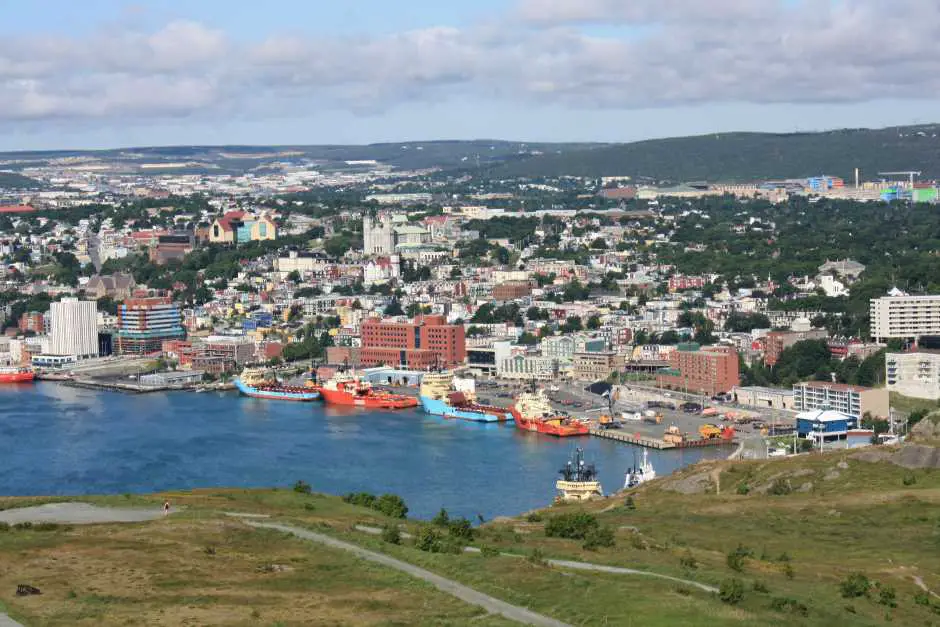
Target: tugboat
[[639, 474], [344, 389], [257, 383], [532, 411], [15, 374], [444, 395], [578, 481]]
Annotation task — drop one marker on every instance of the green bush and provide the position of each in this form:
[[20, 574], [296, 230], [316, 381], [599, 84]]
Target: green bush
[[362, 499], [760, 586], [488, 551], [854, 586], [743, 489], [536, 557], [391, 505], [574, 526], [922, 598], [736, 558], [629, 503], [442, 519], [602, 537], [391, 534], [428, 539], [23, 526], [909, 479], [781, 487], [887, 596], [4, 526], [783, 604], [688, 560], [302, 487], [534, 517], [462, 529], [731, 591], [788, 570]]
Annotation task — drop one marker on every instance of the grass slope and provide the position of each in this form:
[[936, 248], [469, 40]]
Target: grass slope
[[800, 527]]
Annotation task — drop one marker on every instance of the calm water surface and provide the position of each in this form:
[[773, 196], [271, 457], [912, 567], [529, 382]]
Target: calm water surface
[[60, 440]]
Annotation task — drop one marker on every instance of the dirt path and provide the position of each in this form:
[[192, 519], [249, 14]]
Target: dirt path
[[600, 568], [80, 514], [469, 595], [6, 621]]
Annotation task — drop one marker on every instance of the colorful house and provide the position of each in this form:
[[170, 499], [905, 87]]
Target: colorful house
[[240, 227]]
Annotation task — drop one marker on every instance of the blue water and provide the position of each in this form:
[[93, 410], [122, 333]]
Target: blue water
[[60, 440]]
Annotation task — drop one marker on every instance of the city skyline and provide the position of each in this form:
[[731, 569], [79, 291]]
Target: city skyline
[[113, 74]]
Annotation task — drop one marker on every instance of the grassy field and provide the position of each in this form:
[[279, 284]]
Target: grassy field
[[790, 532], [906, 404]]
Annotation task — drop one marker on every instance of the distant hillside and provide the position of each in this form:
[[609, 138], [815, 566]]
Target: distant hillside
[[748, 156], [11, 180]]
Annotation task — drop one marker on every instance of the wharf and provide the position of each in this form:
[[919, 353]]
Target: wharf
[[112, 386], [655, 443]]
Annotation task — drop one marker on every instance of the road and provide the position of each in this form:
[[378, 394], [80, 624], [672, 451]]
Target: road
[[468, 595]]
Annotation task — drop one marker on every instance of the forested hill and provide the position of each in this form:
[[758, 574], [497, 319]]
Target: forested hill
[[12, 180], [748, 156]]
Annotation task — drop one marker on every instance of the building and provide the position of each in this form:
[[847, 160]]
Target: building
[[825, 426], [853, 400], [558, 347], [776, 342], [427, 342], [679, 283], [172, 246], [711, 370], [378, 236], [595, 366], [757, 396], [240, 227], [118, 286], [32, 321], [903, 316], [524, 367], [915, 374], [511, 290], [73, 328], [144, 323]]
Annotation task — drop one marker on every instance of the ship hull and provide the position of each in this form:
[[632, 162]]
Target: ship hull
[[548, 428], [377, 401], [438, 407], [275, 393], [16, 377]]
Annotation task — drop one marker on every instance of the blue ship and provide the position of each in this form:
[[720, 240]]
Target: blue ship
[[253, 383], [438, 398]]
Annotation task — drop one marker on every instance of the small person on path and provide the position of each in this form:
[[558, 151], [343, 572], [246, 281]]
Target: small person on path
[[166, 508]]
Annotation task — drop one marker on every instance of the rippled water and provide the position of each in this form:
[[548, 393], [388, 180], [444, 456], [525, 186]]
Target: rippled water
[[60, 440]]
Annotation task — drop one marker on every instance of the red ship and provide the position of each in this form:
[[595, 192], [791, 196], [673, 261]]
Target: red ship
[[16, 375], [349, 391], [533, 412]]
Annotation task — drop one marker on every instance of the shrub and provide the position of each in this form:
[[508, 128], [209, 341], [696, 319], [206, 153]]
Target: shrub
[[743, 489], [210, 551], [427, 539], [534, 517], [489, 551], [598, 538], [731, 591], [310, 507], [574, 526], [781, 487], [536, 557], [391, 505], [637, 542], [922, 598], [886, 596], [462, 529], [629, 503], [688, 560], [909, 479], [451, 545], [391, 534], [854, 586], [783, 557], [760, 586], [4, 526], [442, 519], [788, 570], [302, 487], [362, 499], [736, 557], [23, 526], [783, 604]]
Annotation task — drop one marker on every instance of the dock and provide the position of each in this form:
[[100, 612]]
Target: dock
[[655, 443]]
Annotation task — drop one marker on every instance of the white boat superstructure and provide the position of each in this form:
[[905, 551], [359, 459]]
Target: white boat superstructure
[[640, 474]]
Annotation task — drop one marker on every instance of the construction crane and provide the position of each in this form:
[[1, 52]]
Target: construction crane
[[909, 173]]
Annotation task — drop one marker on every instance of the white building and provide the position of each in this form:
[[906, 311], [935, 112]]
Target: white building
[[74, 328], [903, 316], [528, 368], [915, 374], [378, 236]]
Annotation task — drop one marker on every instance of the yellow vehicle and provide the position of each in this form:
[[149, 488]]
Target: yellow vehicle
[[709, 432]]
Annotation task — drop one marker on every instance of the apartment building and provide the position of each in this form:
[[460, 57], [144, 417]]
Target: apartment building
[[853, 400], [915, 374], [904, 316], [74, 328], [144, 323], [710, 370]]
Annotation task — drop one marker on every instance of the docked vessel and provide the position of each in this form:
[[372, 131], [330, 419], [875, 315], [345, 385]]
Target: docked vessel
[[14, 374], [259, 384], [532, 411], [348, 390], [639, 473], [578, 481], [442, 394]]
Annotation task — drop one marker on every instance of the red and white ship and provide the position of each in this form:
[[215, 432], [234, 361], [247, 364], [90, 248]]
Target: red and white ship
[[14, 374], [350, 391], [533, 412]]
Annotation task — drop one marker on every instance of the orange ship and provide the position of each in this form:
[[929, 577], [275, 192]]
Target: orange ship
[[533, 412], [350, 391], [16, 375]]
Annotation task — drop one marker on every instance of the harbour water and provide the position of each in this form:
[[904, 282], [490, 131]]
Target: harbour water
[[59, 440]]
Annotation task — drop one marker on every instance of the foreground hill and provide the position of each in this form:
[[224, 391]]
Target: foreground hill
[[822, 540], [748, 156]]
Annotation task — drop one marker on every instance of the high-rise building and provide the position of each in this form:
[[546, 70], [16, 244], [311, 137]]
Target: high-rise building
[[427, 342], [74, 328], [903, 316], [915, 374], [144, 323]]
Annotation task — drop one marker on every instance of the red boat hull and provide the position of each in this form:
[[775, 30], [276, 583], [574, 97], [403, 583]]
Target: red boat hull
[[369, 400], [17, 377], [548, 428]]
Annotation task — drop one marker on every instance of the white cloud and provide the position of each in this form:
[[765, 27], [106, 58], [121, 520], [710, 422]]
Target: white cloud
[[660, 53]]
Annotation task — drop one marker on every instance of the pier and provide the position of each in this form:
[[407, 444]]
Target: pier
[[655, 443]]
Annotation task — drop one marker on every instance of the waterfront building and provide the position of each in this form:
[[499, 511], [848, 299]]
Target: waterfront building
[[74, 328], [144, 323], [825, 426], [763, 397], [528, 368], [853, 400], [915, 374], [901, 316], [710, 370], [426, 342]]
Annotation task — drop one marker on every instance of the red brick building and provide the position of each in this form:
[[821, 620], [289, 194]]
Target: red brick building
[[32, 321], [511, 290], [427, 342], [679, 283], [776, 342], [710, 370]]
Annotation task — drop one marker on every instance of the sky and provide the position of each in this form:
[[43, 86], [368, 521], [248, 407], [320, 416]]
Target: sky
[[107, 73]]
